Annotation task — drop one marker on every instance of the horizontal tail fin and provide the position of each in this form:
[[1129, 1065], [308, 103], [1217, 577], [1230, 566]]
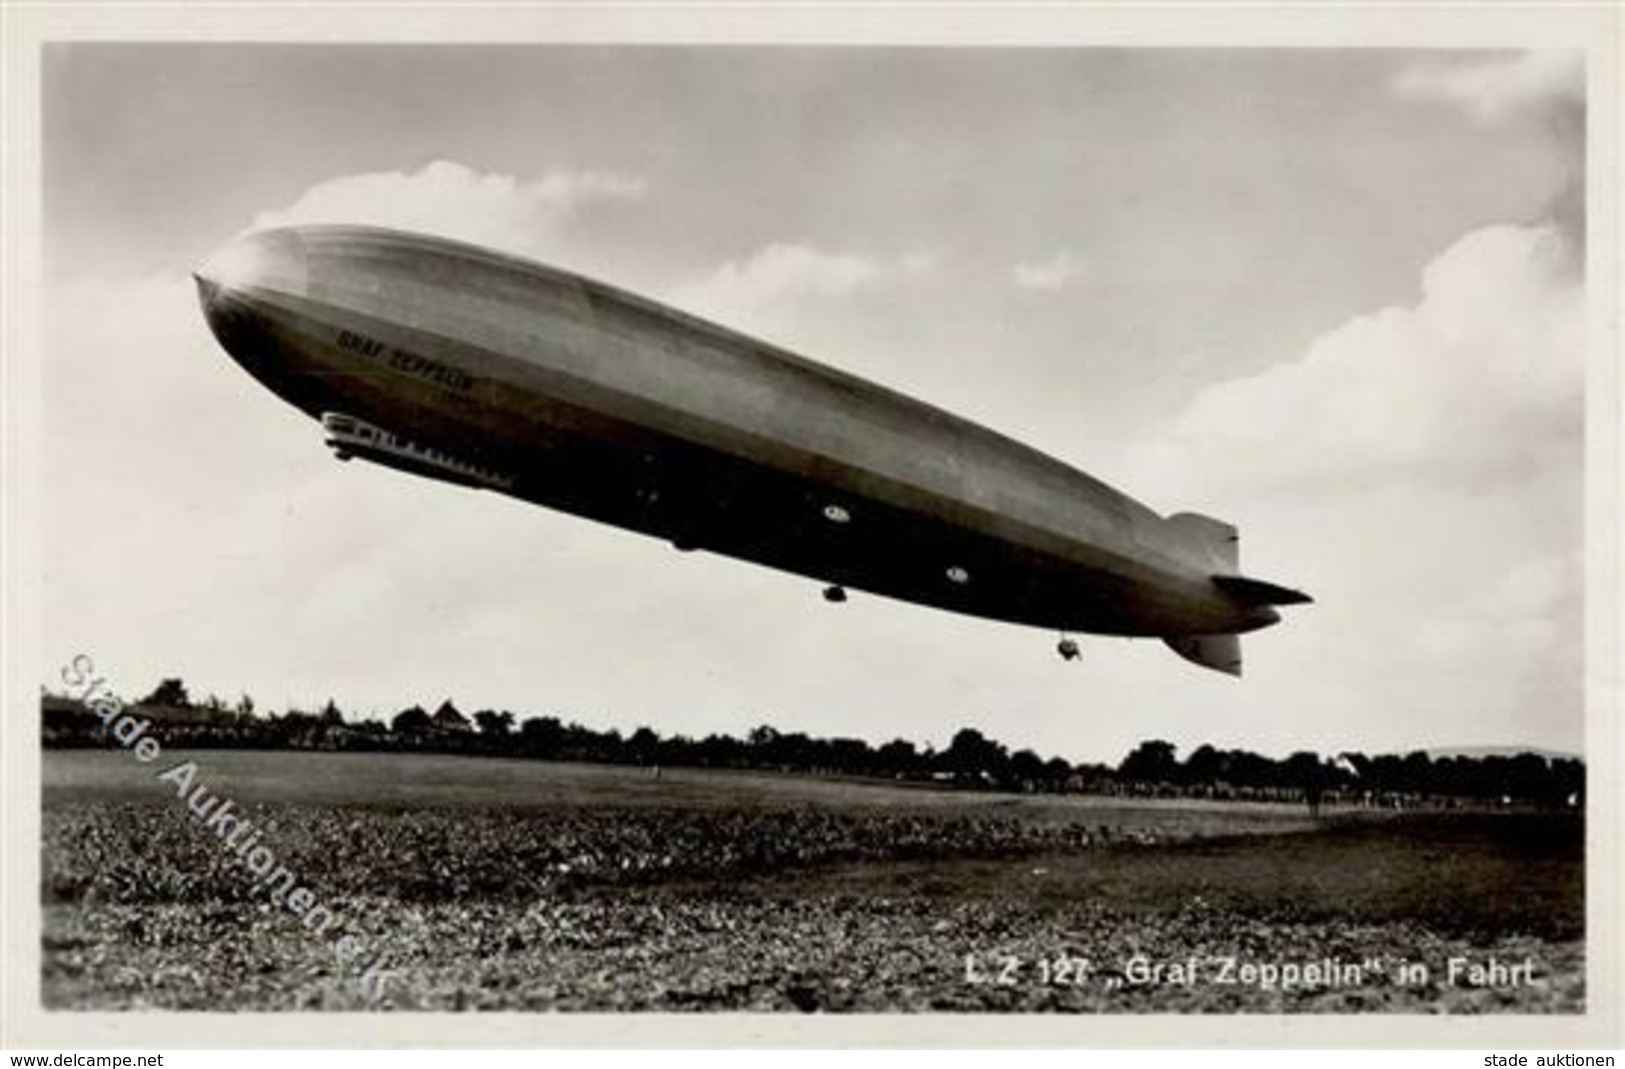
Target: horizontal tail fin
[[1213, 547], [1258, 592], [1219, 652]]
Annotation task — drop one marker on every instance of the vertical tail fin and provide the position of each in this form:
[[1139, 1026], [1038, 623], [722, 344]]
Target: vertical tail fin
[[1214, 547], [1210, 544], [1221, 653]]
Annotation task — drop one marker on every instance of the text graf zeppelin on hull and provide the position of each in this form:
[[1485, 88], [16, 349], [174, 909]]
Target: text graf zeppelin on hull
[[482, 369]]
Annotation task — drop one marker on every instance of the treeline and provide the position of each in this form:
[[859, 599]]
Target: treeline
[[971, 759]]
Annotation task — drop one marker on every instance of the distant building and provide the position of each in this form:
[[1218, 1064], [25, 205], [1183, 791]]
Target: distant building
[[447, 718]]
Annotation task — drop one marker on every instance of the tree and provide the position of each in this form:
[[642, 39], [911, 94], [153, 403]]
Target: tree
[[898, 757], [331, 717], [1150, 762], [171, 692], [1569, 780], [1204, 766], [1304, 772], [1417, 772], [1026, 769], [850, 756], [496, 725], [770, 747], [643, 746], [972, 755], [541, 736], [1249, 769], [1530, 777], [1302, 767], [718, 751]]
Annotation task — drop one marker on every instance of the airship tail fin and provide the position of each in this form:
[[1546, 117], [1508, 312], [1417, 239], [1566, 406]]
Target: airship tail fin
[[1210, 544], [1258, 592], [1222, 653], [1215, 547]]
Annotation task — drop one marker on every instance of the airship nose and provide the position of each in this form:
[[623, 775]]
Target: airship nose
[[239, 289], [207, 292], [267, 263]]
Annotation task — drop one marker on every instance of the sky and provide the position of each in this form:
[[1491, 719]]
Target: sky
[[1333, 296]]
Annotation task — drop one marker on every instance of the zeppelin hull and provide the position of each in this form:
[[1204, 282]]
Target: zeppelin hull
[[588, 400]]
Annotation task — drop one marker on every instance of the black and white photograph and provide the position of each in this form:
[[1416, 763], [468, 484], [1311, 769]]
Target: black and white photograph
[[699, 527]]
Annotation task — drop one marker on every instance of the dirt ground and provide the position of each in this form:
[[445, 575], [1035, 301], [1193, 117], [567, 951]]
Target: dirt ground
[[470, 884]]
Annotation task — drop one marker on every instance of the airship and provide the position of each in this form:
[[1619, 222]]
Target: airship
[[481, 369]]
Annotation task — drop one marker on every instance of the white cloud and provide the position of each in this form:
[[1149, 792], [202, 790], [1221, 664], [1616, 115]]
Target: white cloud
[[1052, 275], [1481, 379], [1493, 90], [1514, 637], [1514, 615], [1418, 470], [451, 200]]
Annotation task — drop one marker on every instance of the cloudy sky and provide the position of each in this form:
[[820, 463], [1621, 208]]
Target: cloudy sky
[[1332, 296]]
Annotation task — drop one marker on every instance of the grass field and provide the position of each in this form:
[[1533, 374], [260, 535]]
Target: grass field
[[527, 885]]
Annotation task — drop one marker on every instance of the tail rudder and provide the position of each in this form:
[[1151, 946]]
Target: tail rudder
[[1210, 544], [1222, 653], [1214, 547]]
